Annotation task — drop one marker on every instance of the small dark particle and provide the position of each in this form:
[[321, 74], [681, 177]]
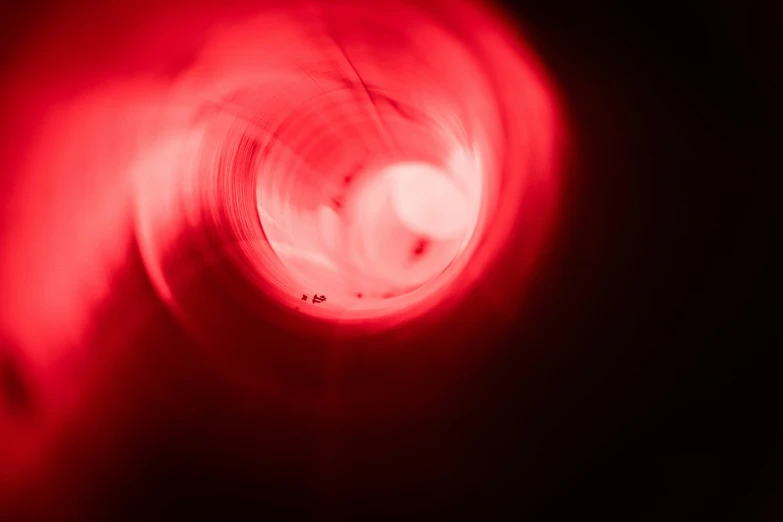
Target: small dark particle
[[347, 179], [420, 247], [359, 295]]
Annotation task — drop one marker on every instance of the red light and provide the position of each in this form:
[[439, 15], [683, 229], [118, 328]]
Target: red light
[[311, 152], [309, 166]]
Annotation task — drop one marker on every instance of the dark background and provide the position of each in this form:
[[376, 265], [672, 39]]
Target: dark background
[[661, 288], [651, 392]]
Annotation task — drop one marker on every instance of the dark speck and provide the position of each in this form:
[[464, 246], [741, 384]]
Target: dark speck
[[420, 247]]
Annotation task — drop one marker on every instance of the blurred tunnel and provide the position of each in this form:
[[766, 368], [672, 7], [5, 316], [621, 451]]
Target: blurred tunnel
[[351, 260]]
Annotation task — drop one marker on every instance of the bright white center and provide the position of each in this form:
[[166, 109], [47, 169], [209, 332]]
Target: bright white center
[[427, 201]]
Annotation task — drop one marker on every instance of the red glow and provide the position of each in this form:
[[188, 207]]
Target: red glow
[[388, 158], [313, 115]]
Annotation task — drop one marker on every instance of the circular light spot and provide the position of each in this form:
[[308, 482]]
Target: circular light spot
[[427, 201]]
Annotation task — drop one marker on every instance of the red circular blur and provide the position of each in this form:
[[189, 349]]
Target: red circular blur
[[275, 170], [299, 177]]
